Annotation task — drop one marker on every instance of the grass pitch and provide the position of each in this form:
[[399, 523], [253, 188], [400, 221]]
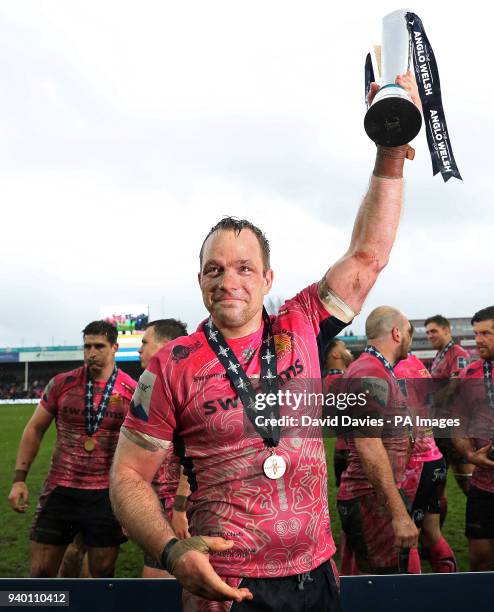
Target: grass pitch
[[14, 528]]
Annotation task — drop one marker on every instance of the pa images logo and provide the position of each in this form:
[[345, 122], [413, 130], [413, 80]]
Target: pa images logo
[[141, 400]]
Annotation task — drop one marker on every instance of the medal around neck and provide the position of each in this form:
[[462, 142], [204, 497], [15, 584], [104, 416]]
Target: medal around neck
[[393, 119], [274, 467], [89, 445]]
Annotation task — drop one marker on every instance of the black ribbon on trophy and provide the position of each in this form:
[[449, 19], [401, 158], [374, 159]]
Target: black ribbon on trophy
[[392, 118]]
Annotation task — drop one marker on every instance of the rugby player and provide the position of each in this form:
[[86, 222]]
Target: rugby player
[[426, 470], [170, 484], [89, 405], [374, 516], [338, 358], [448, 361], [475, 393], [259, 501]]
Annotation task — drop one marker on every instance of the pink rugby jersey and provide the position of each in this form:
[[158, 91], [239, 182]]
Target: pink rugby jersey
[[340, 443], [165, 481], [279, 527], [471, 402], [411, 372], [64, 398], [384, 401], [449, 363]]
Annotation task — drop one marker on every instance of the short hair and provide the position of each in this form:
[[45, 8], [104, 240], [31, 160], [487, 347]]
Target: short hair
[[382, 320], [168, 328], [332, 345], [235, 225], [101, 328], [485, 314], [438, 320]]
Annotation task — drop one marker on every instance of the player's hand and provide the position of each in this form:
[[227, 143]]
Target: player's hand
[[406, 533], [196, 574], [409, 84], [480, 458], [19, 496], [180, 524], [374, 88]]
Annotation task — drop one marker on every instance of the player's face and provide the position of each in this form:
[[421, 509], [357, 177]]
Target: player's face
[[149, 346], [233, 282], [99, 353], [438, 336], [345, 354], [484, 338]]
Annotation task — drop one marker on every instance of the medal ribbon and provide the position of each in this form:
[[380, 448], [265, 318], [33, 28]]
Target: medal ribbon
[[440, 356], [427, 77], [489, 388], [239, 379], [93, 418], [373, 351]]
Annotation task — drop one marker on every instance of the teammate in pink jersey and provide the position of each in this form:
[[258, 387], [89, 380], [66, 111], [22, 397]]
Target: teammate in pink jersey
[[259, 501], [338, 358], [449, 360], [374, 515], [475, 396], [426, 469], [170, 484], [89, 405]]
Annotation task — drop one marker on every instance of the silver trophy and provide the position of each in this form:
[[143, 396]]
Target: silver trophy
[[393, 119]]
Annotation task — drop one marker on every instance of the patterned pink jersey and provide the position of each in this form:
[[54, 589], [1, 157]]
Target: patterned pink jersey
[[449, 364], [471, 398], [411, 372], [340, 444], [279, 527], [165, 481], [385, 401], [71, 465]]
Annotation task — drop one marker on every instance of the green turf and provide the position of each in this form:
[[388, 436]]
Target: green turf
[[14, 528]]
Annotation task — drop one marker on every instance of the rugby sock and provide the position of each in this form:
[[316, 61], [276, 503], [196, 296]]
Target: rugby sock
[[442, 558], [414, 562]]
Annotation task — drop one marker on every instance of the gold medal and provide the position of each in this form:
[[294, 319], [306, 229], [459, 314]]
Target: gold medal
[[89, 445]]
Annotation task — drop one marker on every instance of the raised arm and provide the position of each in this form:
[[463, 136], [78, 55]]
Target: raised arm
[[346, 284], [28, 449]]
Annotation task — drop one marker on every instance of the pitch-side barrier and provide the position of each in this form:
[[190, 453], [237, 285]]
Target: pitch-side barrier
[[426, 593]]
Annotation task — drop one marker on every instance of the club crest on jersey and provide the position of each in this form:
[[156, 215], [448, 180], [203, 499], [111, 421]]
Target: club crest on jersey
[[282, 344], [180, 351], [376, 389], [141, 400], [116, 398]]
